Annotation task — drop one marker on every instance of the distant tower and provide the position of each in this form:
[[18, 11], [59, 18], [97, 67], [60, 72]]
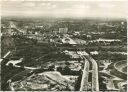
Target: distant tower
[[98, 27]]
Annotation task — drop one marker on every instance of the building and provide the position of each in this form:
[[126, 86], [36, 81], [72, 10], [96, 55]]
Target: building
[[63, 30]]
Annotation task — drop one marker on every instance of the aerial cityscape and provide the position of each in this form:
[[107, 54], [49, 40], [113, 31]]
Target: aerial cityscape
[[63, 54]]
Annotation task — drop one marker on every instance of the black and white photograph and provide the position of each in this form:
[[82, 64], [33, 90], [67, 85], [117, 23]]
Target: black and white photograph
[[63, 45]]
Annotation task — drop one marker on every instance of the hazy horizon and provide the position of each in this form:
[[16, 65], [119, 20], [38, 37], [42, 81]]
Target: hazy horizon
[[65, 9]]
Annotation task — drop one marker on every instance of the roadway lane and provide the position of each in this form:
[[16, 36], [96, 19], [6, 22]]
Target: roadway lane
[[84, 81], [95, 80]]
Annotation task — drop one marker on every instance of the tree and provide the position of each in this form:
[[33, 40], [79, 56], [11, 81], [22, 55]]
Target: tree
[[67, 70], [67, 63], [51, 68], [59, 69]]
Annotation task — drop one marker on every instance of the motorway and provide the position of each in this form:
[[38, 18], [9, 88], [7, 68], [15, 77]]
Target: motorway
[[95, 78], [95, 81]]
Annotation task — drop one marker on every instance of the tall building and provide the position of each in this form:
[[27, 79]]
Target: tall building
[[63, 30]]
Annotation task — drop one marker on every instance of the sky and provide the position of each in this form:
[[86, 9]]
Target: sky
[[112, 9]]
